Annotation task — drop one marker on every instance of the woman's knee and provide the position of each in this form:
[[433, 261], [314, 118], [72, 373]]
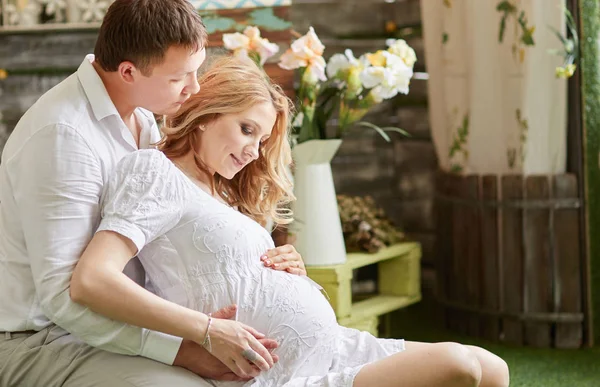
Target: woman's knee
[[501, 372], [494, 368], [463, 366]]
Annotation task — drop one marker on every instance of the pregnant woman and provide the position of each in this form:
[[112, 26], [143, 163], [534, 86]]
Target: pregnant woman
[[217, 175]]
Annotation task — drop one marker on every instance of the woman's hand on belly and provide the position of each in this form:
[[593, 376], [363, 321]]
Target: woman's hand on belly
[[284, 258]]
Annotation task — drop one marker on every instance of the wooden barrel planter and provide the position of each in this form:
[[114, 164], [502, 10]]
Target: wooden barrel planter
[[509, 258]]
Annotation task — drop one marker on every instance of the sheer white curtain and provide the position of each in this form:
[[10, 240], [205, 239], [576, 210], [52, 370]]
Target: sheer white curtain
[[496, 106]]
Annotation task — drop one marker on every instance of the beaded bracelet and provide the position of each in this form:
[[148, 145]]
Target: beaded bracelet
[[206, 343]]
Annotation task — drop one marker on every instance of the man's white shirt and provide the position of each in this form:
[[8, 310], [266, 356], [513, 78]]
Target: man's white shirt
[[53, 170]]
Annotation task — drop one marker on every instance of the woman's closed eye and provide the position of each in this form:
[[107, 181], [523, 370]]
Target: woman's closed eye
[[246, 130]]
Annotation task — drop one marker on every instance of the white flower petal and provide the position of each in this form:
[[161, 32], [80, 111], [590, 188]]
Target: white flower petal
[[252, 32], [309, 43], [235, 41], [266, 50], [318, 66], [401, 49], [372, 76], [290, 61], [336, 63], [351, 58]]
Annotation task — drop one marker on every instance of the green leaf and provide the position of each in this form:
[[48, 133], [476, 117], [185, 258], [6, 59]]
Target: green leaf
[[502, 29], [397, 130], [455, 168], [376, 128], [445, 38], [527, 39], [454, 148], [506, 6]]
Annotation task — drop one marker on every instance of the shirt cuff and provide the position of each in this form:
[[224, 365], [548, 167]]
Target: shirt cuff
[[125, 228], [161, 347]]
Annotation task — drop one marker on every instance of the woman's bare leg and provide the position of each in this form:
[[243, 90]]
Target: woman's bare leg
[[494, 369], [424, 365]]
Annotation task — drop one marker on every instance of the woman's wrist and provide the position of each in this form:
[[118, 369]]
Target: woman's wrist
[[206, 342], [197, 332]]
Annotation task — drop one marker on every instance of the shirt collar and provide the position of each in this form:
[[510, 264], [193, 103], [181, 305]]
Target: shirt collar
[[94, 89]]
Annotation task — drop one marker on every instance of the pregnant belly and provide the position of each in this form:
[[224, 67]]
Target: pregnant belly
[[282, 305]]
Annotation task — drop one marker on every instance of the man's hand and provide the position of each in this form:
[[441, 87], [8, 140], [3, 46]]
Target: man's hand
[[198, 360]]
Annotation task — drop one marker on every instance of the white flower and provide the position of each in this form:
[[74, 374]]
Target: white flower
[[236, 42], [93, 10], [306, 51], [400, 48], [344, 61], [52, 6], [242, 43], [386, 82]]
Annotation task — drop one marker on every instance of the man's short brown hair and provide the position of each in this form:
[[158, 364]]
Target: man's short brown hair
[[141, 32]]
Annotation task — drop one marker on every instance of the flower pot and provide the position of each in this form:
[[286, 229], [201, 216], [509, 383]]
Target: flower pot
[[317, 226]]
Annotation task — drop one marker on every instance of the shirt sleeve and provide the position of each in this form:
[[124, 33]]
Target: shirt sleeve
[[57, 182], [144, 198]]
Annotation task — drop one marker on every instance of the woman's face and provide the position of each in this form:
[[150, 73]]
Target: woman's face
[[232, 141]]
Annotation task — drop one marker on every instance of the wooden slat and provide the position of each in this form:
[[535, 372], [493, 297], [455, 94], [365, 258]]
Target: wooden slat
[[512, 258], [459, 253], [472, 269], [567, 256], [378, 305], [538, 262], [490, 278], [443, 245]]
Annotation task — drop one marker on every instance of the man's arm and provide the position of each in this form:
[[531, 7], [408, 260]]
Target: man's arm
[[57, 183]]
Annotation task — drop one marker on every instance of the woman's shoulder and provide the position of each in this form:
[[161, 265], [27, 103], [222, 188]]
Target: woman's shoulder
[[145, 161]]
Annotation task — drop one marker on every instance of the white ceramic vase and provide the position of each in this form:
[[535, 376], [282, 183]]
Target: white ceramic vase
[[318, 229]]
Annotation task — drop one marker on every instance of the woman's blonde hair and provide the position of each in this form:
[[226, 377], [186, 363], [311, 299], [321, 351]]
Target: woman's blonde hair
[[232, 85]]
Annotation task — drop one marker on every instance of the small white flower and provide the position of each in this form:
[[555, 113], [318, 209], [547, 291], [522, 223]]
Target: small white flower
[[235, 41], [243, 43], [344, 61], [93, 10], [306, 51], [400, 48], [386, 82]]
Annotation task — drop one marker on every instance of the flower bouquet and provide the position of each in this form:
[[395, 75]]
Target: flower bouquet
[[346, 86]]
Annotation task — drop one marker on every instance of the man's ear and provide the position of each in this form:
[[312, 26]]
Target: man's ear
[[128, 72]]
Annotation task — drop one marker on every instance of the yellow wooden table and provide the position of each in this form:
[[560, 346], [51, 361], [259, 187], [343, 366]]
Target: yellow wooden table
[[399, 284]]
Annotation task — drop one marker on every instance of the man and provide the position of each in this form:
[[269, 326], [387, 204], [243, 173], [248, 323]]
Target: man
[[53, 169]]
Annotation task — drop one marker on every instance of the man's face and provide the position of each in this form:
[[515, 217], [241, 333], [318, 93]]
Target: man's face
[[172, 82]]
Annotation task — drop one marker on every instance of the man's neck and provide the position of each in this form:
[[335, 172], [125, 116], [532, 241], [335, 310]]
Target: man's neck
[[119, 97], [117, 94]]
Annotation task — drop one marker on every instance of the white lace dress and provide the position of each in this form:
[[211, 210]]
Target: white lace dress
[[218, 263]]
